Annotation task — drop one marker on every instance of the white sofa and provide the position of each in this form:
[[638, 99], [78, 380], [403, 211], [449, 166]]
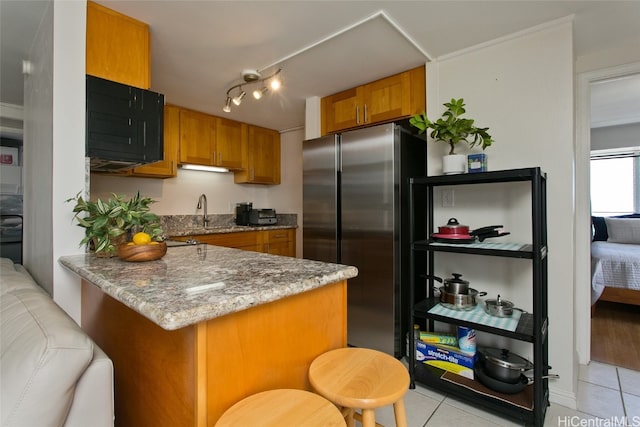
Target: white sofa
[[52, 373]]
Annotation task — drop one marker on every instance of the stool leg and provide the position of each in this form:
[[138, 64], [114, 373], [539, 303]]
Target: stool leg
[[400, 414], [369, 418], [348, 416]]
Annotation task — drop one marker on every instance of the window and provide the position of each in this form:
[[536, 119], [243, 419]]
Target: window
[[614, 184]]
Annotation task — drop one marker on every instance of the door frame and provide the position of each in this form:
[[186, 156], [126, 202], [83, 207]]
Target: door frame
[[582, 212]]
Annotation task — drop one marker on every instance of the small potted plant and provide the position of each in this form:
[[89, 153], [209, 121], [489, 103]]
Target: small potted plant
[[452, 129], [110, 223]]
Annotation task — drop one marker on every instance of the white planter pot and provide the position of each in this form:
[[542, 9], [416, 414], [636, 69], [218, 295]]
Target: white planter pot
[[454, 163]]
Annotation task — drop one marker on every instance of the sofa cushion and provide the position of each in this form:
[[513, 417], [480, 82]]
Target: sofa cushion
[[43, 354], [14, 276]]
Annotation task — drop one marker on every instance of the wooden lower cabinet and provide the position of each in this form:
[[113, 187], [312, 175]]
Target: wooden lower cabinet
[[280, 241], [190, 376]]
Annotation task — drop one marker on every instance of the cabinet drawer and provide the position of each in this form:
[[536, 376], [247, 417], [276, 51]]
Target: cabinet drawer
[[276, 236]]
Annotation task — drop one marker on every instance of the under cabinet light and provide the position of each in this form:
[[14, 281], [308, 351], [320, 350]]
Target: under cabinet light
[[203, 168]]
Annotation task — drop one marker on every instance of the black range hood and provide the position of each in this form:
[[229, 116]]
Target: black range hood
[[124, 125]]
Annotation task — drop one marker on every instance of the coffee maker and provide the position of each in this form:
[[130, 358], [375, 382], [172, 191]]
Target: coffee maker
[[242, 213]]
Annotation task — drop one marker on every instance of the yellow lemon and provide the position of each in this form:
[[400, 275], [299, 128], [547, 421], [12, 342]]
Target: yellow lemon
[[141, 238], [130, 244]]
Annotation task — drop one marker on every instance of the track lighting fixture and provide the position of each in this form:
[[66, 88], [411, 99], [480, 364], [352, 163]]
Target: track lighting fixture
[[250, 77]]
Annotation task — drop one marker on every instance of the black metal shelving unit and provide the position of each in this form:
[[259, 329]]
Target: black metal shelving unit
[[532, 327]]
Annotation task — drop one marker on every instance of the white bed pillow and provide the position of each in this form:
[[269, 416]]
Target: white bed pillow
[[623, 230]]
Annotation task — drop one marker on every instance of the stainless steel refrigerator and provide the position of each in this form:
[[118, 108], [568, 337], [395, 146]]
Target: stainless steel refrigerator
[[355, 212]]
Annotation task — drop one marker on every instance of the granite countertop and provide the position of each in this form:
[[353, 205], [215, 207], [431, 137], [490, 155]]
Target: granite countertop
[[199, 230], [195, 283], [189, 225]]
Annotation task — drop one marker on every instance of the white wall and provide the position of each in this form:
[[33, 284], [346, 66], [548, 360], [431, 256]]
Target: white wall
[[179, 196], [54, 148], [522, 88]]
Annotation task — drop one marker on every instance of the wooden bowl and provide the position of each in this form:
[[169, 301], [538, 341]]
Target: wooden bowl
[[136, 253]]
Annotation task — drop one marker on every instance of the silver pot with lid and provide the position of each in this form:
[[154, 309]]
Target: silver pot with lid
[[453, 285], [503, 365]]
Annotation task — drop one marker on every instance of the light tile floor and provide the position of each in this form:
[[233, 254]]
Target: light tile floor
[[607, 396]]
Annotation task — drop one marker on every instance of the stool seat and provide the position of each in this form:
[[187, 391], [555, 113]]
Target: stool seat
[[361, 378], [282, 408]]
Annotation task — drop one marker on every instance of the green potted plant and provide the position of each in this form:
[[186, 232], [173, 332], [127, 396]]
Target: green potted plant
[[109, 223], [452, 129]]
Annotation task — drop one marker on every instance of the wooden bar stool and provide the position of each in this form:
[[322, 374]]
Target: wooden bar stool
[[282, 408], [361, 378]]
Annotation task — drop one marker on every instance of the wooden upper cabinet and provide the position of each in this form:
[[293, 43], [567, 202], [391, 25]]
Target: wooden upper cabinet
[[117, 47], [261, 164], [396, 97], [167, 168], [211, 141], [197, 137], [231, 140]]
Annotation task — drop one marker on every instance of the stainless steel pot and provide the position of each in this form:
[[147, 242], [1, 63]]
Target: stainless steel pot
[[499, 307], [454, 285], [503, 365], [460, 301]]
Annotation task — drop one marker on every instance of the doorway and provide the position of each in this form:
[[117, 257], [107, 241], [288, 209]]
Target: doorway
[[582, 212]]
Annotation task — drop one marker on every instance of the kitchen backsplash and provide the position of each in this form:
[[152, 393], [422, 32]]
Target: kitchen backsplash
[[176, 224]]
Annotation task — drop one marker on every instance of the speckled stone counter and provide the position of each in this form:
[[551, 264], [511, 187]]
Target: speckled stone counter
[[200, 282], [187, 225]]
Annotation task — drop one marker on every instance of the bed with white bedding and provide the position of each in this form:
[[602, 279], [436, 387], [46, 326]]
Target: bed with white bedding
[[615, 262]]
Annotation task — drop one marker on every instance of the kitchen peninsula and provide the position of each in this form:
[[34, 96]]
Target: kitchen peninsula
[[205, 326]]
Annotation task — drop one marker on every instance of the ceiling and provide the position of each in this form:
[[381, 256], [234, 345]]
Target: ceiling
[[199, 48]]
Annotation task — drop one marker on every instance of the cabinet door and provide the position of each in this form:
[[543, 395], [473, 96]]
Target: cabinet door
[[168, 167], [231, 140], [117, 47], [280, 242], [197, 138], [387, 99], [341, 111], [262, 164]]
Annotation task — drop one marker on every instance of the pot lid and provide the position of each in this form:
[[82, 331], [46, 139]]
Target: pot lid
[[456, 279], [499, 302], [453, 223], [503, 357]]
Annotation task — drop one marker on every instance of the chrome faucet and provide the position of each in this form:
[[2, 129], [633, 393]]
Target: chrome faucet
[[201, 205]]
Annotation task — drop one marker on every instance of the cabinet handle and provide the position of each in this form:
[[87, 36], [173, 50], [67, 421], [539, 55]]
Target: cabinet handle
[[252, 174], [171, 169], [220, 159], [279, 235], [365, 113], [213, 158], [357, 115]]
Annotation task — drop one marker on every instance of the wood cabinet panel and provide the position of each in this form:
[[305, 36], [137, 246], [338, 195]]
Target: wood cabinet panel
[[231, 141], [117, 47], [280, 242], [197, 137], [262, 162], [395, 97], [190, 376]]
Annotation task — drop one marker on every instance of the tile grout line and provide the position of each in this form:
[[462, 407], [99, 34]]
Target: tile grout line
[[624, 408]]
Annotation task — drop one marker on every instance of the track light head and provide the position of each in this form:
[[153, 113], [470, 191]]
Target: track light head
[[227, 105], [257, 94], [238, 99]]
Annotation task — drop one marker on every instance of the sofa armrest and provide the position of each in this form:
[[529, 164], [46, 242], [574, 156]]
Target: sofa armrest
[[93, 399]]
